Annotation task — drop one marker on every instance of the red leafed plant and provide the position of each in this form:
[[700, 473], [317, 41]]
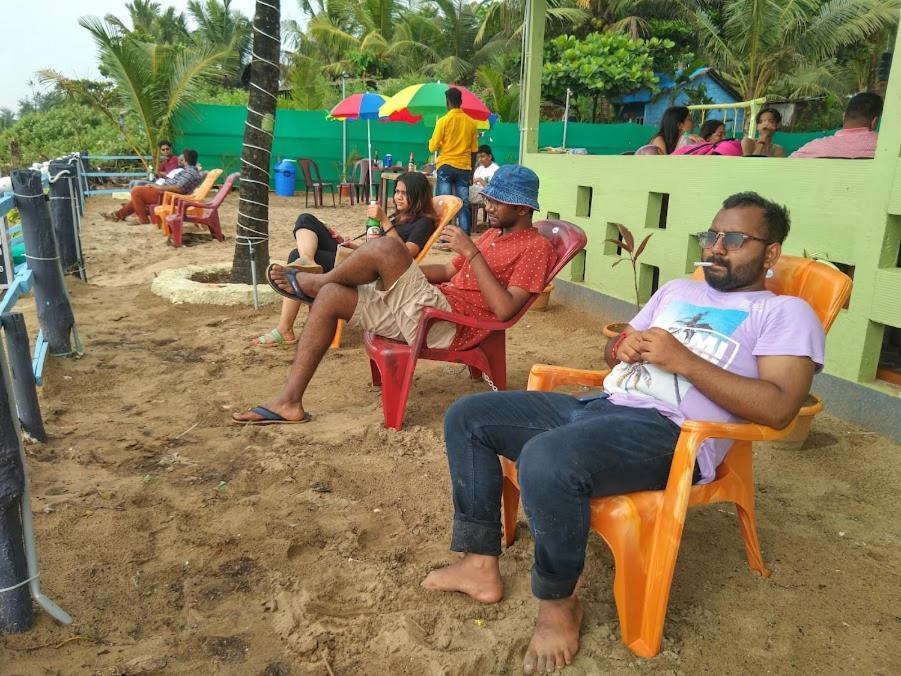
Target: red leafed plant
[[626, 242]]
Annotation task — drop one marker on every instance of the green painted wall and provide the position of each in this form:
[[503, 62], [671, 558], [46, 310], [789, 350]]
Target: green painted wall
[[847, 211]]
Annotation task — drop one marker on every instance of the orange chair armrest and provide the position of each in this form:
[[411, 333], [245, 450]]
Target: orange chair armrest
[[169, 197], [546, 377], [702, 429]]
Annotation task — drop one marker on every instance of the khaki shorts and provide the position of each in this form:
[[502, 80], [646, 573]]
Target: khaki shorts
[[394, 313]]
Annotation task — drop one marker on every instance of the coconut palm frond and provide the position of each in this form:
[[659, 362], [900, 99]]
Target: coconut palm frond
[[191, 71], [633, 26], [451, 68], [844, 22], [410, 48], [331, 36], [76, 90]]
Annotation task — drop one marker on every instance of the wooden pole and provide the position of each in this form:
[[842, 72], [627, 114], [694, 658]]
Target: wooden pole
[[24, 386], [54, 311], [15, 598]]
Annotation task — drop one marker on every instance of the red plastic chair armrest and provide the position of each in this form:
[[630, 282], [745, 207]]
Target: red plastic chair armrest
[[185, 203], [431, 314]]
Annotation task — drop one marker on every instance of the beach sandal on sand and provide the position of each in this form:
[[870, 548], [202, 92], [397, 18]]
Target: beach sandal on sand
[[297, 294], [270, 418], [273, 338]]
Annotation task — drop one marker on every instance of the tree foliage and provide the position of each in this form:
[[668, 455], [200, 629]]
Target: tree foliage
[[601, 66], [786, 47], [63, 129], [151, 81]]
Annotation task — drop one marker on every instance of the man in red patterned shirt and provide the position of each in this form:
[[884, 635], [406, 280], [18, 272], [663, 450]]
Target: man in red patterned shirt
[[383, 290]]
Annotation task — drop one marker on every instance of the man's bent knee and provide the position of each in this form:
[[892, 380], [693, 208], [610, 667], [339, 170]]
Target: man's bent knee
[[388, 246], [543, 468], [462, 418]]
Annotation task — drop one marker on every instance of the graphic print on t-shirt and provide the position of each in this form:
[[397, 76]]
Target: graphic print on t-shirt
[[706, 331]]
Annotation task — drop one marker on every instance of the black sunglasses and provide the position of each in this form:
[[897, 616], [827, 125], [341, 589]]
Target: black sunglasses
[[731, 240]]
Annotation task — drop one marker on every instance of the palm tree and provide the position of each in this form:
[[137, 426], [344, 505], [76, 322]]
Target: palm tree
[[366, 37], [501, 96], [152, 82], [219, 24], [503, 19], [252, 240], [756, 45], [625, 16], [150, 24]]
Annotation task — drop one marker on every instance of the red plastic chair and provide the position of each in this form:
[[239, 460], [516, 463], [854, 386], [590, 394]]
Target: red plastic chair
[[208, 214], [393, 363], [316, 186]]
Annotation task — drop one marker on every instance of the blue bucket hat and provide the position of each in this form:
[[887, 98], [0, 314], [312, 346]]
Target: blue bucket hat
[[513, 184]]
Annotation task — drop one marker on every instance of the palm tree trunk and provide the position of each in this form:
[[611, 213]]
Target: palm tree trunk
[[252, 241]]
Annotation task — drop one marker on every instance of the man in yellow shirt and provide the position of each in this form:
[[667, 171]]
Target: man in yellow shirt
[[456, 140]]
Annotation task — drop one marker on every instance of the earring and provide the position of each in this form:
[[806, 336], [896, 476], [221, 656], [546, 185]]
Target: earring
[[770, 274]]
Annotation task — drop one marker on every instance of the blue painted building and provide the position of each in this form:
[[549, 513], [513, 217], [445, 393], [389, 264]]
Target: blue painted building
[[646, 107]]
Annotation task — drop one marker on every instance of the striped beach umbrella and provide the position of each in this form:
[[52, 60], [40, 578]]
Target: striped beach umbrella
[[426, 101]]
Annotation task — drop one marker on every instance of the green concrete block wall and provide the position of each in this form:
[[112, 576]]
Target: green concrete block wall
[[845, 211], [834, 212]]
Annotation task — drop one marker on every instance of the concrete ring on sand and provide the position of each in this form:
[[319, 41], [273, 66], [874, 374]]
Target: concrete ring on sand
[[179, 286]]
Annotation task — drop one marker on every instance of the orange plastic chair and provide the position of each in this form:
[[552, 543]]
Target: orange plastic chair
[[644, 529], [169, 203], [446, 206]]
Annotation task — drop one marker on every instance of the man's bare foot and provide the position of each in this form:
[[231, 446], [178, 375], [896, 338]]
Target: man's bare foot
[[286, 411], [475, 575], [555, 640]]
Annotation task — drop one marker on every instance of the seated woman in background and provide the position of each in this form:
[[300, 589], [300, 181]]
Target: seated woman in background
[[413, 222], [768, 121], [713, 131], [675, 130]]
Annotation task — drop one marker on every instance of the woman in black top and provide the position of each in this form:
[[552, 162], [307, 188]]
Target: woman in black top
[[413, 222]]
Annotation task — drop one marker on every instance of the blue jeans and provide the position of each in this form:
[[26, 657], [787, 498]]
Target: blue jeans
[[566, 451], [452, 181]]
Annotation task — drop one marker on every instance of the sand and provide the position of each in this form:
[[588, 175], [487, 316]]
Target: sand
[[183, 544]]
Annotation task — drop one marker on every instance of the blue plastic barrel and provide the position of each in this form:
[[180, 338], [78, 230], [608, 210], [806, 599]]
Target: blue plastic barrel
[[285, 175]]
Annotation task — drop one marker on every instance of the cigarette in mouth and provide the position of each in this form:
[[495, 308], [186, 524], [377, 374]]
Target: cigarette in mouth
[[703, 264]]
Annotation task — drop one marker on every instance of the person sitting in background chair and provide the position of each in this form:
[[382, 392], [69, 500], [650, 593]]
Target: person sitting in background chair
[[713, 130], [857, 137], [168, 159], [675, 130], [143, 196], [480, 178], [768, 121]]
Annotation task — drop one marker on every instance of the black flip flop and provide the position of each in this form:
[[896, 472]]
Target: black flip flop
[[297, 294], [271, 418]]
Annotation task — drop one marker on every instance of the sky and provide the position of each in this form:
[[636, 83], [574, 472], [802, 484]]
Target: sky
[[45, 34]]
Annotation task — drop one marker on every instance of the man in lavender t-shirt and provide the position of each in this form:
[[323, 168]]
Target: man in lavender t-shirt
[[721, 349]]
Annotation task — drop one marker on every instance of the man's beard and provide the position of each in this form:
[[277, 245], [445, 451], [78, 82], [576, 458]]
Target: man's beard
[[733, 278]]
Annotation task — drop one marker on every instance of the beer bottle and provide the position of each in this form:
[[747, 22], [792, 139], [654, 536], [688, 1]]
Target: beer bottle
[[373, 226]]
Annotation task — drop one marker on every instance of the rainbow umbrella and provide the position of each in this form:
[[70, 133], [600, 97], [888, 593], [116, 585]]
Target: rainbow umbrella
[[363, 106], [426, 101]]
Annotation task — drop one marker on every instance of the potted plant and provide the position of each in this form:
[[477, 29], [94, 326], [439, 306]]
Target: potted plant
[[626, 242]]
